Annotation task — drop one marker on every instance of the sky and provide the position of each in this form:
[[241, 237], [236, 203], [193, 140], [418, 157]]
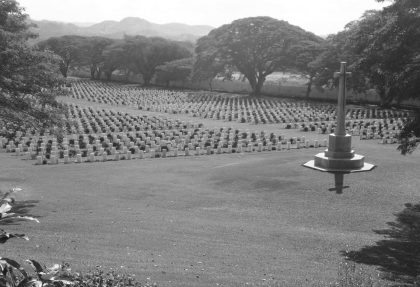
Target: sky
[[321, 17]]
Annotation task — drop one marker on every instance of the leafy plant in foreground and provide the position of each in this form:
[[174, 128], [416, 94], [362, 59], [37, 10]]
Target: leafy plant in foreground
[[6, 205], [14, 274]]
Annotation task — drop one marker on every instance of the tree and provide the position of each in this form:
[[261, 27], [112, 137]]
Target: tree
[[207, 65], [305, 57], [71, 49], [333, 51], [145, 54], [256, 47], [94, 54], [385, 49], [114, 57], [29, 78], [177, 70], [410, 135]]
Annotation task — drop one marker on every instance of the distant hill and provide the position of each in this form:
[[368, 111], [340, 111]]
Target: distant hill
[[117, 29]]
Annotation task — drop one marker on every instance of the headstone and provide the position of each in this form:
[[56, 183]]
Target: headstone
[[239, 148]]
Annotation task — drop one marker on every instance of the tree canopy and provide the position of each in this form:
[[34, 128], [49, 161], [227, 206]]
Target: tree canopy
[[146, 54], [256, 47], [177, 70], [113, 58], [383, 52], [71, 49], [305, 61], [94, 56], [29, 78], [207, 64]]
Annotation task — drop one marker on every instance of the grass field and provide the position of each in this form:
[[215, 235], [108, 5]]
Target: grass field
[[226, 220]]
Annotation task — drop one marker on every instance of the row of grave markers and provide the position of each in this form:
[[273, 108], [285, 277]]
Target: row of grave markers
[[221, 107], [155, 151]]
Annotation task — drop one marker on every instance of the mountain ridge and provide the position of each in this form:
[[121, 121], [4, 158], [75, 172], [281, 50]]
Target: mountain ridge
[[117, 29]]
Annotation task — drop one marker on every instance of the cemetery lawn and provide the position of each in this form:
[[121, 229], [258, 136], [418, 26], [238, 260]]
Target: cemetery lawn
[[201, 221]]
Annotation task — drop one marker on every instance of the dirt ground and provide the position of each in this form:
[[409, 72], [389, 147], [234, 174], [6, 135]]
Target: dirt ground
[[220, 220]]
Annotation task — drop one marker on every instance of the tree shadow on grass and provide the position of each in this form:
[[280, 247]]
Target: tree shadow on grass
[[397, 256]]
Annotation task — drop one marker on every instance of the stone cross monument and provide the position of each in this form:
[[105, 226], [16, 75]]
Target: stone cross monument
[[339, 158], [341, 107]]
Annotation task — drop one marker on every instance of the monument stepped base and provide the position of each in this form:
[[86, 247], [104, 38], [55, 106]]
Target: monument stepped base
[[332, 165], [323, 161]]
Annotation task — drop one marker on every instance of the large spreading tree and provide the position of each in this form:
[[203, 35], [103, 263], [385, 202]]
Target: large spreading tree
[[71, 49], [207, 64], [114, 58], [146, 54], [174, 71], [29, 78], [255, 47], [304, 56], [383, 52], [94, 56]]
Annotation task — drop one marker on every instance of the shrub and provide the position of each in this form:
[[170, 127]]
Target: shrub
[[34, 274], [100, 278]]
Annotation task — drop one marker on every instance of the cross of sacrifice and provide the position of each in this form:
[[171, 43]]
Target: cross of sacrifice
[[341, 107]]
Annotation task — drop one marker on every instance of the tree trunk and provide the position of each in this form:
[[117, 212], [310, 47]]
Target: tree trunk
[[253, 83], [92, 71], [64, 69], [108, 75], [146, 79], [383, 93], [98, 73], [257, 85], [309, 87]]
